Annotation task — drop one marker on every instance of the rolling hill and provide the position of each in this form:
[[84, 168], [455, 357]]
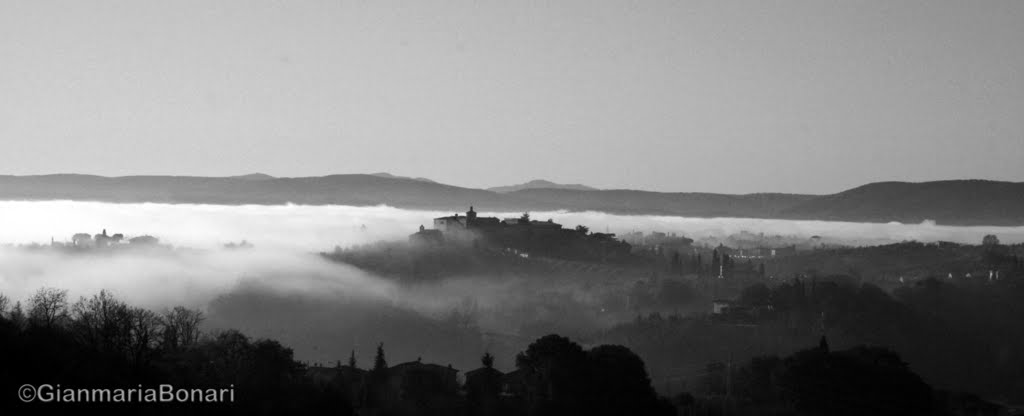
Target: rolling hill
[[960, 202]]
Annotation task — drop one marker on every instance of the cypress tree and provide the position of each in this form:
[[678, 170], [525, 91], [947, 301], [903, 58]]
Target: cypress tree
[[379, 363]]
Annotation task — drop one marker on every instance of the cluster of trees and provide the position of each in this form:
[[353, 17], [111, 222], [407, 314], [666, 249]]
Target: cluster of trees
[[666, 294], [883, 265], [105, 324], [405, 261], [958, 334], [553, 376], [560, 378], [676, 263], [816, 381], [101, 341], [416, 262]]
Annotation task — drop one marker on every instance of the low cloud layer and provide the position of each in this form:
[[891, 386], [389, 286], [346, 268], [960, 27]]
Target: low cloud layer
[[158, 278], [320, 228], [283, 289], [287, 237], [320, 308]]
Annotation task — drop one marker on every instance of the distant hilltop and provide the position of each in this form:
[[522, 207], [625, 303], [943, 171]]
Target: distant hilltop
[[956, 202], [540, 184], [253, 177]]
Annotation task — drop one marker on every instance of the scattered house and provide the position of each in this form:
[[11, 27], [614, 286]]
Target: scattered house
[[81, 240], [484, 378], [416, 379], [426, 236], [513, 384], [349, 380], [515, 221], [322, 376], [720, 306], [412, 382], [101, 240], [484, 387], [457, 224], [784, 251], [446, 224], [727, 311]]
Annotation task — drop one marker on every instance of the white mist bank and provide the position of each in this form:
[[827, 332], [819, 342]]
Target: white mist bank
[[320, 228], [306, 286], [159, 278], [286, 236], [839, 232]]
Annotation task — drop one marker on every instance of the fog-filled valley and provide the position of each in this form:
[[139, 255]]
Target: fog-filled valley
[[314, 228], [194, 265], [330, 281]]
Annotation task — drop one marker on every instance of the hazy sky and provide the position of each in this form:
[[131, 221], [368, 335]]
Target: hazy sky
[[724, 96]]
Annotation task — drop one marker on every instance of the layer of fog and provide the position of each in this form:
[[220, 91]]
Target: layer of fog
[[320, 308], [319, 228], [283, 289], [159, 278]]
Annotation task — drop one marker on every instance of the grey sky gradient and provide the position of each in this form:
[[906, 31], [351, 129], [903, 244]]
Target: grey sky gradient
[[723, 96]]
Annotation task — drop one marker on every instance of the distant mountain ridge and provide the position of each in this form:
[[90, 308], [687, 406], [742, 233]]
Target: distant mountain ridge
[[539, 184], [963, 202]]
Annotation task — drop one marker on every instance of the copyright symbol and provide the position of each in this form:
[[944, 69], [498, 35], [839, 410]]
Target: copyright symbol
[[27, 393]]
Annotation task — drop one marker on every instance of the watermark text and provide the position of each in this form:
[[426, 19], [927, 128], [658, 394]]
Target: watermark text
[[163, 393]]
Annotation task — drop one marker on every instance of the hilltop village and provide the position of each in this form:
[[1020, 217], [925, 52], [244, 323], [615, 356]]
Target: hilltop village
[[525, 235], [102, 241]]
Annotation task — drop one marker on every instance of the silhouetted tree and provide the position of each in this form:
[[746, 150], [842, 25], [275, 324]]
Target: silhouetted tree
[[556, 374], [180, 327], [377, 387], [990, 240], [48, 307], [619, 384], [676, 265], [727, 265], [143, 336], [860, 381], [17, 315], [352, 359], [483, 388], [103, 322], [716, 263], [379, 363]]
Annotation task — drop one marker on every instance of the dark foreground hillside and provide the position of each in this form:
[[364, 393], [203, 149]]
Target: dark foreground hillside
[[84, 357]]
